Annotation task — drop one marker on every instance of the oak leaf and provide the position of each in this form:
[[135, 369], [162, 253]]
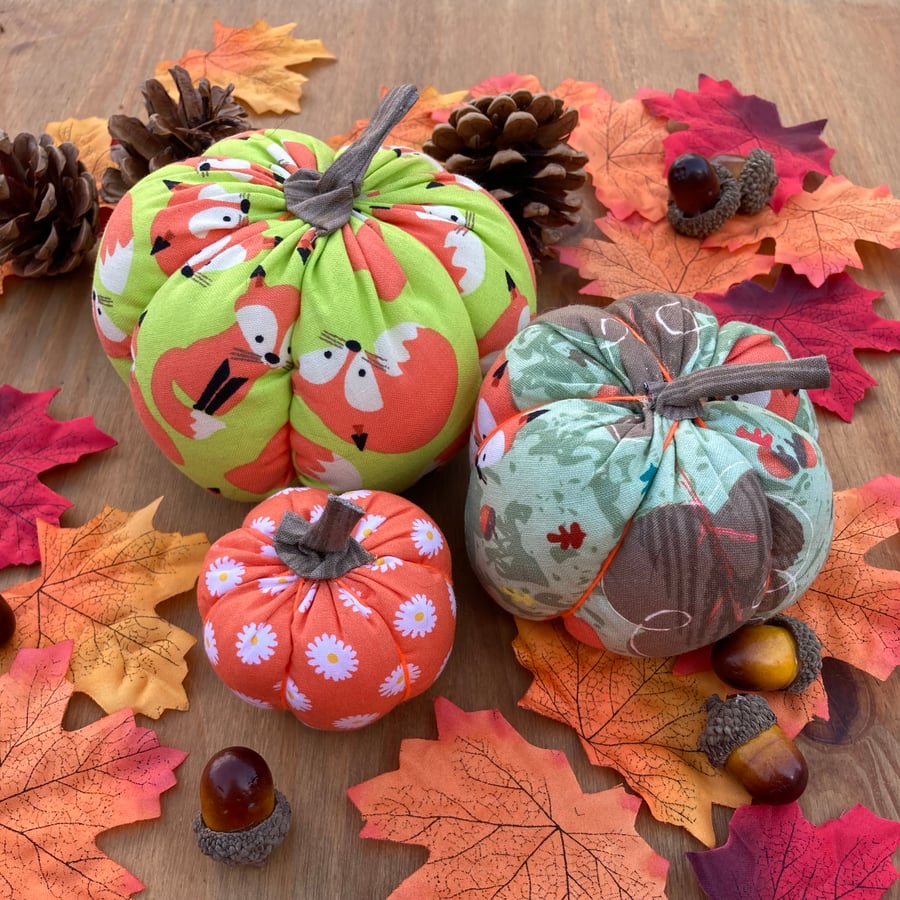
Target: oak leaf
[[773, 852], [853, 607], [31, 442], [834, 319], [815, 232], [258, 61], [99, 586], [720, 119], [91, 137], [624, 145], [634, 715], [59, 789], [650, 256], [502, 818]]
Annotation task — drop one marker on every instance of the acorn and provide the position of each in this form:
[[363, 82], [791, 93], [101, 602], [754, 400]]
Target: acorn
[[778, 654], [7, 622], [703, 195], [242, 817], [756, 176], [743, 737]]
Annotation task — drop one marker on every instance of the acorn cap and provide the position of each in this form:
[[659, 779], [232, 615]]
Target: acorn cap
[[809, 651], [731, 723], [705, 223], [757, 181], [250, 846]]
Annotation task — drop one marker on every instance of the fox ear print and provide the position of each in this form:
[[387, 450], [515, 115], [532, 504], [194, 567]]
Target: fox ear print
[[258, 272]]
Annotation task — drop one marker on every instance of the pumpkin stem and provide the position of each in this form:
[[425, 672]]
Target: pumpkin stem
[[681, 397], [325, 199], [322, 549]]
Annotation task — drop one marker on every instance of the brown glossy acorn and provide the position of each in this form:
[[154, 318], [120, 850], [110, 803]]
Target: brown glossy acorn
[[742, 736], [7, 622], [781, 653], [693, 183], [242, 816]]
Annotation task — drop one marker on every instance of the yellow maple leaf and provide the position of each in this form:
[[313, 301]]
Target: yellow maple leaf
[[92, 139], [99, 586], [256, 60]]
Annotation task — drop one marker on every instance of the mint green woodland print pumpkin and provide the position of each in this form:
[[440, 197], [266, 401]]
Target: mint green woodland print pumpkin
[[263, 350], [646, 475]]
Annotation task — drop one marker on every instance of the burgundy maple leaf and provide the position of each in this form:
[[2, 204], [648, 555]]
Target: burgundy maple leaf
[[722, 120]]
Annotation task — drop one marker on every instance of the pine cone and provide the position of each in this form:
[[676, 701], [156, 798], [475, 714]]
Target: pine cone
[[49, 210], [514, 145], [174, 131]]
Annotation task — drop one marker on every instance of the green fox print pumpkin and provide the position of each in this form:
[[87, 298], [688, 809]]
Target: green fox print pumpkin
[[286, 314], [646, 475], [336, 608]]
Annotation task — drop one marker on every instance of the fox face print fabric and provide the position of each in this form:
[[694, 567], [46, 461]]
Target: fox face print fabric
[[260, 353], [338, 653], [650, 531]]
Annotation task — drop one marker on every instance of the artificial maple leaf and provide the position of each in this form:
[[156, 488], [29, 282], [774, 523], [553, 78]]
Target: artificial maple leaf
[[722, 120], [256, 60], [503, 818], [59, 789], [834, 319], [577, 94], [816, 231], [6, 269], [506, 84], [91, 137], [651, 256], [853, 607], [32, 442], [634, 715], [100, 585], [773, 852]]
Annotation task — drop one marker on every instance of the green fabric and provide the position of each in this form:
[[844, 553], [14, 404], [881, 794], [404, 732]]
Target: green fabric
[[696, 524], [260, 353]]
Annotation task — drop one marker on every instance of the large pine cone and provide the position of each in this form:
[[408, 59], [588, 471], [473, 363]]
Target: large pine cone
[[174, 131], [49, 210], [514, 145]]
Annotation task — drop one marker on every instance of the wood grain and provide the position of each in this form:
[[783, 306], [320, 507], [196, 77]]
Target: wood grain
[[833, 59]]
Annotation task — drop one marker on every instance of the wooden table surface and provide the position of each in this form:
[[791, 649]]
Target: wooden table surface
[[834, 59]]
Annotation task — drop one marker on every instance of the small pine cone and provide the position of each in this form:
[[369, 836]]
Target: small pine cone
[[758, 181], [49, 210], [174, 130], [514, 145]]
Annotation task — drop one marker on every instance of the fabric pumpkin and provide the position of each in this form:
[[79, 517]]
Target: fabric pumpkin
[[648, 476], [285, 315], [335, 608]]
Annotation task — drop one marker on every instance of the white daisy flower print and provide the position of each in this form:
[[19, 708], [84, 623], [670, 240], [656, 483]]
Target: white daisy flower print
[[444, 664], [367, 525], [356, 495], [268, 550], [307, 600], [256, 643], [331, 657], [209, 643], [262, 704], [264, 524], [426, 537], [385, 563], [415, 617], [351, 601], [316, 513], [359, 721], [296, 698], [224, 574], [397, 681], [452, 595], [275, 584]]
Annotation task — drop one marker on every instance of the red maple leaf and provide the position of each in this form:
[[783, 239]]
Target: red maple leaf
[[834, 319], [59, 789], [504, 818], [773, 852], [722, 120], [32, 442]]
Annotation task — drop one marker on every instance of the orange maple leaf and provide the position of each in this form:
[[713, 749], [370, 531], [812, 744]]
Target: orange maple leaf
[[576, 93], [59, 789], [633, 715], [99, 586], [92, 139], [506, 84], [626, 155], [816, 232], [853, 607], [650, 256], [256, 60], [502, 817], [416, 126]]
